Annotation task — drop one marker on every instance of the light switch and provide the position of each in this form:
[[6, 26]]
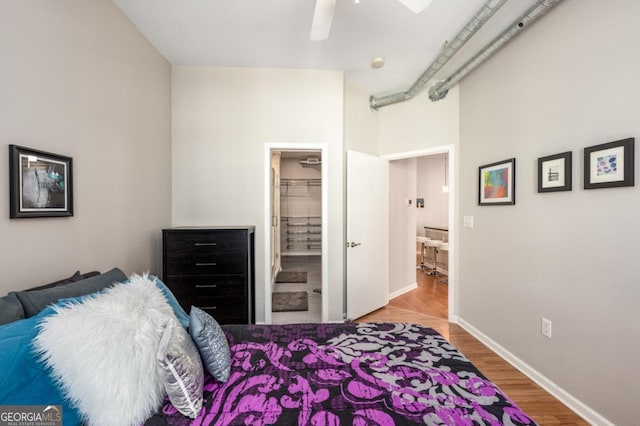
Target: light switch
[[468, 221]]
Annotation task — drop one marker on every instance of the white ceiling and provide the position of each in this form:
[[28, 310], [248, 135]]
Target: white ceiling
[[275, 34]]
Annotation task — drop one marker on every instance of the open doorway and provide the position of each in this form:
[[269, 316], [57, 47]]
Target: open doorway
[[296, 234], [422, 231], [432, 234]]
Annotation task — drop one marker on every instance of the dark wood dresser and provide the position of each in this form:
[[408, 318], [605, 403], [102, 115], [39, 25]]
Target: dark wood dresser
[[212, 268]]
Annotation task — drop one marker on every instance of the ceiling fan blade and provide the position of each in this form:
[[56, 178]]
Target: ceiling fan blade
[[322, 18], [416, 6]]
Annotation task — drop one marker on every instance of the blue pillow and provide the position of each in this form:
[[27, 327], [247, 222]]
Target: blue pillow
[[173, 302], [24, 380], [211, 343]]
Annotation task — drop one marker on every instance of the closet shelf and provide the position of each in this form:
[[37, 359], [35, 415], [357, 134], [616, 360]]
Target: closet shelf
[[300, 182], [301, 216]]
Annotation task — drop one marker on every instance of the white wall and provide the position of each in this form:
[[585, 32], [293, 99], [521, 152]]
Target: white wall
[[222, 117], [419, 124], [568, 82], [430, 176], [402, 218], [79, 80], [360, 122]]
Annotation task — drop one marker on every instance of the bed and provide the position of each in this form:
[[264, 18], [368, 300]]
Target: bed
[[347, 374], [306, 374]]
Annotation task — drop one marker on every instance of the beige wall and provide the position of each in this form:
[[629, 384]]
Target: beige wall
[[569, 82], [78, 79], [222, 119]]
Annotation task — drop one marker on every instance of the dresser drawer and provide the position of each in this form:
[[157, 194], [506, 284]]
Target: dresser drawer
[[215, 285], [199, 264], [223, 309], [187, 243]]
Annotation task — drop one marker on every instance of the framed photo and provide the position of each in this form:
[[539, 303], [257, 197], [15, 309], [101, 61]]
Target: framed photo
[[41, 183], [554, 172], [497, 183], [609, 165]]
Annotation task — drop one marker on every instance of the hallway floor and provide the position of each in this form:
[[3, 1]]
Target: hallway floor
[[430, 298]]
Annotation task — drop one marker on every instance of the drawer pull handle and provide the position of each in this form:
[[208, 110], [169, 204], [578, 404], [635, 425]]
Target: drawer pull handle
[[206, 264], [206, 285], [209, 307], [205, 244]]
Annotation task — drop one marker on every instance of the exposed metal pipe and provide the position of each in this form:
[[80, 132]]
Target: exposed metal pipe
[[447, 52], [439, 90]]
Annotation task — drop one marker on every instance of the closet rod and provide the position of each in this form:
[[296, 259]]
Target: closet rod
[[300, 182]]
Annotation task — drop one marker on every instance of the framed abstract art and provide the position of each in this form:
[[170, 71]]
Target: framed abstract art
[[554, 172], [40, 183], [497, 183], [609, 165]]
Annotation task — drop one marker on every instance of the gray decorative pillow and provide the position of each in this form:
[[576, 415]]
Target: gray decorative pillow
[[34, 301], [10, 309], [180, 369], [211, 342], [73, 278]]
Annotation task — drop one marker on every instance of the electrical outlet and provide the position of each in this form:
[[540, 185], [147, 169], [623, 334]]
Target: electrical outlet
[[546, 328]]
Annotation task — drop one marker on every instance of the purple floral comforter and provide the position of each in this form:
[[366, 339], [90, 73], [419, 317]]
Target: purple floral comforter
[[347, 374]]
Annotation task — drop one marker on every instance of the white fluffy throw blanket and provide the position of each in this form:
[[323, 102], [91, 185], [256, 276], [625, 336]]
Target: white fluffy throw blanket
[[103, 352]]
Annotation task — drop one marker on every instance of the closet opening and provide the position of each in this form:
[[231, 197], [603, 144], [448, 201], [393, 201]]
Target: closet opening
[[296, 246]]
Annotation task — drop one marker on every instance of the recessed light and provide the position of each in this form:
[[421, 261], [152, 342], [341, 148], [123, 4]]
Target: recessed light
[[377, 63]]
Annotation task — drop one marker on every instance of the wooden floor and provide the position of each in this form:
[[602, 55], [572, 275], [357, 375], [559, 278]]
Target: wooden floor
[[427, 305]]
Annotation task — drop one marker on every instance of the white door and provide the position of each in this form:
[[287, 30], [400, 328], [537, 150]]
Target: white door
[[275, 213], [367, 233]]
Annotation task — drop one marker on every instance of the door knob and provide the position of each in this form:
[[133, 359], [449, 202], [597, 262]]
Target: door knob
[[352, 244]]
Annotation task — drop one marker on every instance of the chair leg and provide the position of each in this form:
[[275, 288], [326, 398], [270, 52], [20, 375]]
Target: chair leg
[[434, 272], [422, 266]]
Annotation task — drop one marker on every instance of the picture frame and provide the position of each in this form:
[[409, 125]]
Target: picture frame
[[555, 172], [497, 183], [41, 183], [609, 165]]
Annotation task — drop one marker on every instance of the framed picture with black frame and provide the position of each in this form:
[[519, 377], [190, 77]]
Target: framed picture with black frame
[[497, 183], [41, 183], [609, 165], [554, 172]]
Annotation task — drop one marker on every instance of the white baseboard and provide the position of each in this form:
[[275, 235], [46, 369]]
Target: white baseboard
[[402, 291], [560, 394]]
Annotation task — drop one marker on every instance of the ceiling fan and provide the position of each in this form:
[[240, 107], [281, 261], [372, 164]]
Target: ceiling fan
[[323, 15]]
